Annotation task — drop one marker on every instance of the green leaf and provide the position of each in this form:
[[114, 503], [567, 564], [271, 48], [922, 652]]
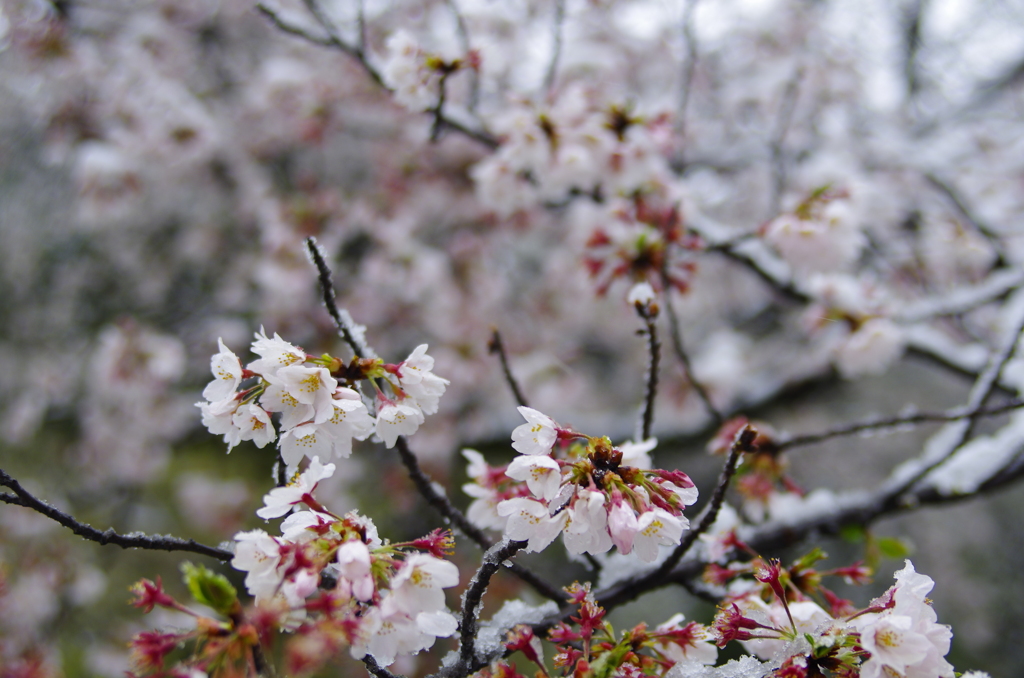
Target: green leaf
[[853, 534], [209, 588], [893, 547]]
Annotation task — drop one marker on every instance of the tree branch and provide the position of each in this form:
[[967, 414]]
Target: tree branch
[[23, 497], [495, 345], [471, 603], [332, 39], [341, 318], [442, 505], [649, 314], [376, 669], [892, 422], [676, 332]]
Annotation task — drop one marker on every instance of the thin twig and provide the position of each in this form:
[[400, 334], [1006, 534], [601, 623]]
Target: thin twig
[[438, 125], [471, 603], [892, 422], [332, 39], [786, 108], [649, 314], [467, 46], [23, 497], [993, 237], [556, 49], [675, 330], [984, 386], [327, 287], [686, 80], [495, 345], [458, 519], [376, 669]]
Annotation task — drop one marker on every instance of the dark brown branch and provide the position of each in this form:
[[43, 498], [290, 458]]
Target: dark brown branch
[[471, 603], [649, 314], [327, 287], [892, 422], [459, 520], [495, 346], [675, 330], [466, 44], [376, 669], [23, 497]]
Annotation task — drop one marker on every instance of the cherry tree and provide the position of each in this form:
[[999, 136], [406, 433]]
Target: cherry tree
[[639, 223]]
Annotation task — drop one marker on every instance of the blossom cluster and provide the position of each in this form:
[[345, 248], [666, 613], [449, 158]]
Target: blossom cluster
[[574, 144], [333, 582], [776, 618], [592, 496], [320, 411]]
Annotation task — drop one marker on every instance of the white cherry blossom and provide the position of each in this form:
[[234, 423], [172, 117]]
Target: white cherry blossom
[[529, 520], [537, 435], [311, 386], [274, 354], [254, 424], [280, 500], [397, 418], [657, 527], [227, 374], [542, 474]]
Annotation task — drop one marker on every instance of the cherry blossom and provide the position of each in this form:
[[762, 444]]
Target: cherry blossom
[[281, 500], [537, 435], [227, 374]]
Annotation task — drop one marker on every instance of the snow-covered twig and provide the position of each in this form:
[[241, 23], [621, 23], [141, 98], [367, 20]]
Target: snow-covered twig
[[495, 557], [653, 360], [892, 422]]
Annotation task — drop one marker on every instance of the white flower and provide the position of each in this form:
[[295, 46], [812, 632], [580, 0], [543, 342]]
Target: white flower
[[387, 636], [622, 525], [529, 520], [280, 500], [537, 435], [402, 418], [417, 586], [306, 440], [354, 567], [587, 528], [254, 424], [258, 554], [815, 245], [227, 374], [419, 382], [311, 386], [657, 527], [277, 398], [871, 349], [350, 420], [641, 293], [303, 526], [906, 639], [483, 511], [405, 70], [274, 354], [219, 419], [541, 473], [638, 455]]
